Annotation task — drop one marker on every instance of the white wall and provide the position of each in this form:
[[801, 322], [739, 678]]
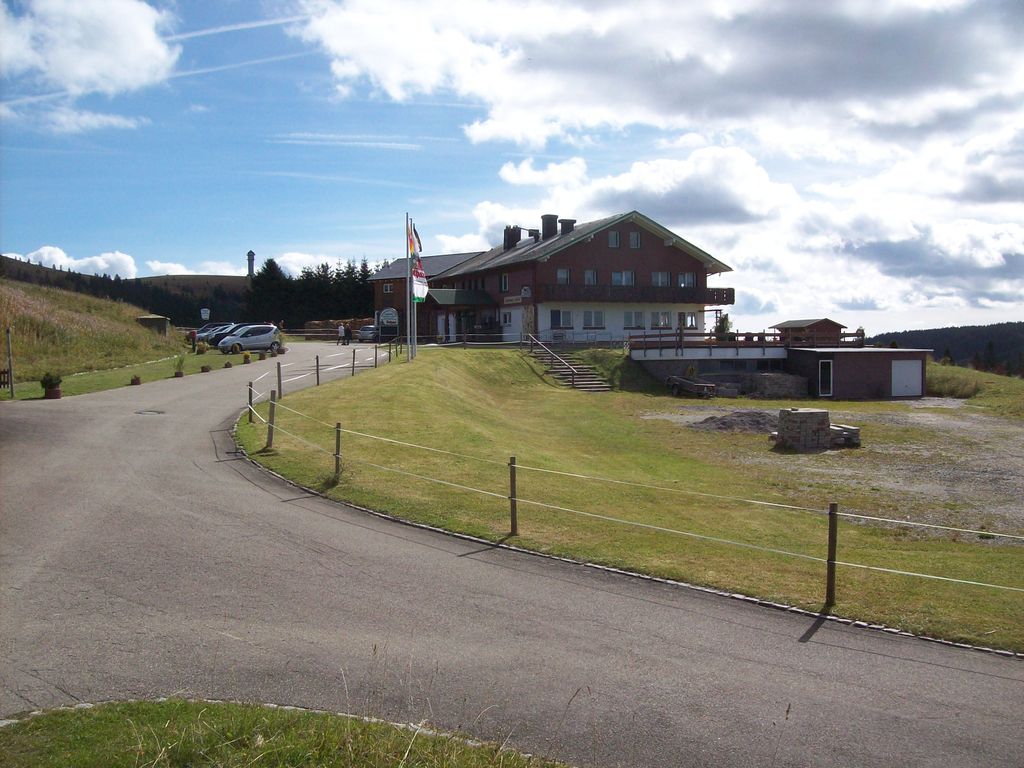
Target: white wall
[[613, 317]]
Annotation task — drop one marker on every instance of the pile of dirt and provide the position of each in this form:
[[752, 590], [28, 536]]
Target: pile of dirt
[[740, 421]]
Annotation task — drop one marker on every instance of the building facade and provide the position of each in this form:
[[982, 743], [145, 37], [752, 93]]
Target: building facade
[[602, 280]]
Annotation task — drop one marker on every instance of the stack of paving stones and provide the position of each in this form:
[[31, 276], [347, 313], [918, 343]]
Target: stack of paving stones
[[804, 429]]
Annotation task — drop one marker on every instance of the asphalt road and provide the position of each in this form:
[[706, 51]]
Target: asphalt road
[[141, 557]]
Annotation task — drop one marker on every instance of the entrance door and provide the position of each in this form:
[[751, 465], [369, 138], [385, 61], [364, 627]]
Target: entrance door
[[906, 378], [824, 378]]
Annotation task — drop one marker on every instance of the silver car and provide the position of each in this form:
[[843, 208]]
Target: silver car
[[251, 337]]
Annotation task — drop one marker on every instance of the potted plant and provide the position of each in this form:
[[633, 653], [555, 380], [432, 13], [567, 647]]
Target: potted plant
[[51, 385], [227, 364], [179, 366], [204, 369], [263, 355], [246, 358], [136, 380], [201, 348]]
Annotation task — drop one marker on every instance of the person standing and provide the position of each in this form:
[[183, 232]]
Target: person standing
[[348, 334], [341, 334]]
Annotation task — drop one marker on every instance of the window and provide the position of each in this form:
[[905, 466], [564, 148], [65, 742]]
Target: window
[[593, 318], [506, 318], [561, 318], [562, 276], [633, 320], [690, 320], [634, 239], [503, 283], [388, 288], [590, 277], [687, 279], [661, 319], [624, 278], [613, 239], [660, 278]]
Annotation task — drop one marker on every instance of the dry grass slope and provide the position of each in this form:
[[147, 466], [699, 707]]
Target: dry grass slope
[[66, 332]]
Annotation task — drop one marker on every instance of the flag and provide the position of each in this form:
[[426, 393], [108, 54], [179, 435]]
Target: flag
[[419, 277]]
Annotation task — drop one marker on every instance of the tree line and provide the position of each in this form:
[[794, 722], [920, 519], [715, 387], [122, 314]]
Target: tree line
[[318, 293], [997, 348]]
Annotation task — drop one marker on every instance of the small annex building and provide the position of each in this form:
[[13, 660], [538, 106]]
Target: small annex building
[[860, 373], [814, 333]]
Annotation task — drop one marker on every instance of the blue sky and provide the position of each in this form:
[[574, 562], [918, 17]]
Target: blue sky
[[861, 160]]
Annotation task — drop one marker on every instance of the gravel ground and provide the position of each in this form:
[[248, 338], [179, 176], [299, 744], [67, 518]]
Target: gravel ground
[[956, 457]]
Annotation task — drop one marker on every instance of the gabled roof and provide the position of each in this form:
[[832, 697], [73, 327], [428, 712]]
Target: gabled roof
[[806, 323], [432, 265], [530, 250]]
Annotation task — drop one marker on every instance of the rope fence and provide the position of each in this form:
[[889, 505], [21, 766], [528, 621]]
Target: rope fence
[[514, 499]]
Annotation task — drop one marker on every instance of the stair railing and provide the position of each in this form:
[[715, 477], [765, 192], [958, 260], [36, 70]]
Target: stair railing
[[539, 343]]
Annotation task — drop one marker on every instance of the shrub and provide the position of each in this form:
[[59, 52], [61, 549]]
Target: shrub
[[179, 363], [50, 380], [201, 348]]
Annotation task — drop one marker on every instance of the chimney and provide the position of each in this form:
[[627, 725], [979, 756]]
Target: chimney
[[548, 225], [535, 234], [567, 226], [512, 237], [252, 263]]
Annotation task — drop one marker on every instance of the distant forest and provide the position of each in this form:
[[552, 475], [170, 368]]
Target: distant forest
[[319, 293], [998, 348]]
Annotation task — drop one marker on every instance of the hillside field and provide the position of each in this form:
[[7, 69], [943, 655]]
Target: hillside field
[[623, 479]]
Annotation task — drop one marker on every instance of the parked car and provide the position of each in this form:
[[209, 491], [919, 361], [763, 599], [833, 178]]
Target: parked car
[[251, 337], [215, 338], [368, 333], [204, 333]]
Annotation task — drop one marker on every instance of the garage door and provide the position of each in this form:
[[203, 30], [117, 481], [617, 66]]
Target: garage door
[[906, 378]]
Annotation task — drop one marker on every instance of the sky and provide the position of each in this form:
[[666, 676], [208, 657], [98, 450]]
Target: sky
[[861, 160]]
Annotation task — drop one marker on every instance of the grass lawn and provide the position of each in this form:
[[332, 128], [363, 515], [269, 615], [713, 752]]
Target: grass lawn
[[488, 405], [182, 733]]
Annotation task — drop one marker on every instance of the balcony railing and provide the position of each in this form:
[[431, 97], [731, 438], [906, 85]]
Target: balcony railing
[[736, 339], [636, 294]]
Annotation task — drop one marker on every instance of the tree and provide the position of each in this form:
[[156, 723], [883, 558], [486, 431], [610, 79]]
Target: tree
[[270, 295]]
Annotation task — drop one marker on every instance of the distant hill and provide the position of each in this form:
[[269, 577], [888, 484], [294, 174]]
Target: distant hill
[[179, 297], [964, 342]]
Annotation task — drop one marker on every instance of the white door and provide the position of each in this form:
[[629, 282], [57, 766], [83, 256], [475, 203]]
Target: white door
[[512, 331], [906, 378]]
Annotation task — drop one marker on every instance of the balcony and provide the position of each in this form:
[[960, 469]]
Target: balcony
[[635, 294]]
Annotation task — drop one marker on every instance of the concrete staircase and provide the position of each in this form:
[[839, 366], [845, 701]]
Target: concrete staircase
[[586, 379]]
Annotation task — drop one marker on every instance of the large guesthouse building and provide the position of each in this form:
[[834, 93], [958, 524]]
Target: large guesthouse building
[[605, 279]]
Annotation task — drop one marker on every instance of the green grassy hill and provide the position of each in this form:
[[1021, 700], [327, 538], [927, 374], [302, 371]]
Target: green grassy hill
[[66, 332], [589, 464]]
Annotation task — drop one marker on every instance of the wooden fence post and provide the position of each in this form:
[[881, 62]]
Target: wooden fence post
[[374, 355], [353, 362], [337, 451], [830, 565], [250, 402], [272, 419], [513, 515], [10, 363], [280, 386], [318, 370]]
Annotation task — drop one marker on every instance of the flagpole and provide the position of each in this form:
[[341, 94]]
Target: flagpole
[[408, 293]]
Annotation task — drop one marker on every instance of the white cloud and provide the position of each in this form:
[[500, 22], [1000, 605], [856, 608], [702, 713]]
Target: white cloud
[[294, 262], [167, 268], [69, 120], [110, 263], [89, 46], [571, 172]]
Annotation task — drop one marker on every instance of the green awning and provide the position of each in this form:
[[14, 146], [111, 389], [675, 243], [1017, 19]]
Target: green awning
[[460, 297]]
